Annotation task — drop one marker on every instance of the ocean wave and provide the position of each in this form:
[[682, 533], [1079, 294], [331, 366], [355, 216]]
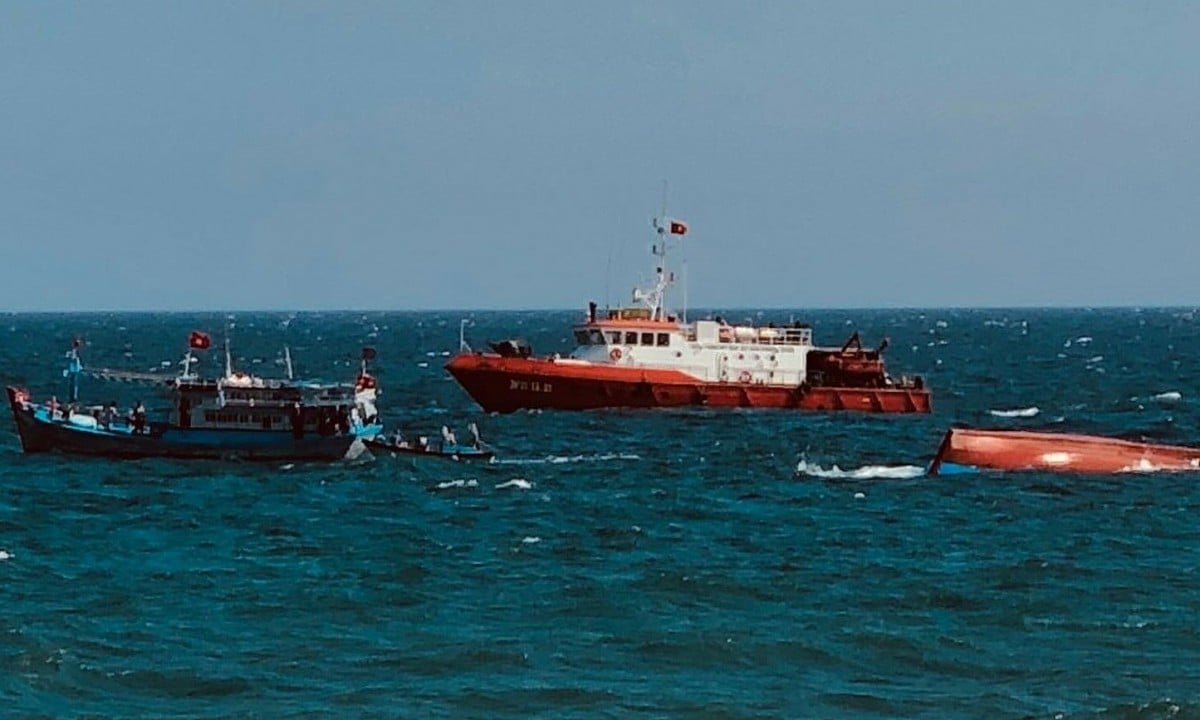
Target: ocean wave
[[562, 459], [1169, 396], [1016, 412], [519, 483], [866, 472], [457, 484]]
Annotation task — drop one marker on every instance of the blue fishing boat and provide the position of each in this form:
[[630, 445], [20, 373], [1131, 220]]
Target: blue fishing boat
[[236, 416]]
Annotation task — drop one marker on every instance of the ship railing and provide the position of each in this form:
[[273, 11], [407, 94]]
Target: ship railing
[[747, 335]]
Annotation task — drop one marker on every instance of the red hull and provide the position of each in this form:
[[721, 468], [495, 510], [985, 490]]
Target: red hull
[[506, 384], [1021, 450]]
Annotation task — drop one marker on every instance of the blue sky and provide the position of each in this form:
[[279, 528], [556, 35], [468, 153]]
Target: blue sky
[[407, 155]]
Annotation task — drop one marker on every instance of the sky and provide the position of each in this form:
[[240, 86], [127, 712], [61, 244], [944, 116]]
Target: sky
[[510, 155]]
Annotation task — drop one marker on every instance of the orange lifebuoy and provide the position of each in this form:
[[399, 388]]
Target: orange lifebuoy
[[743, 377], [615, 354]]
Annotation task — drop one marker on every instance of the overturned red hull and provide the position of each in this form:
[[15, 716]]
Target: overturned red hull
[[505, 384], [965, 449]]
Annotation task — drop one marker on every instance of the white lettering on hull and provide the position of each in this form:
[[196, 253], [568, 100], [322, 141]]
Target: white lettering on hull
[[529, 386]]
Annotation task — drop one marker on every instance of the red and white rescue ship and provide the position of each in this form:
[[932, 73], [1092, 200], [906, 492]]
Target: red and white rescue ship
[[647, 357]]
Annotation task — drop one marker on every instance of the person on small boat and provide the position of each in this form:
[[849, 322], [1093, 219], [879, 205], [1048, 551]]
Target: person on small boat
[[297, 417], [448, 436], [110, 415], [473, 429], [54, 407], [137, 418]]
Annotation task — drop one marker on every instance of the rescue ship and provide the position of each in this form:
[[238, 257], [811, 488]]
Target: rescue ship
[[644, 356]]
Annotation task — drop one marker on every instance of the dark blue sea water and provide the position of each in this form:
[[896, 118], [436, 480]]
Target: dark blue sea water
[[616, 564]]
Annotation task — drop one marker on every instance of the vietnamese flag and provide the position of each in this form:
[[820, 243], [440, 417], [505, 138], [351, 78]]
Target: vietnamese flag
[[678, 228], [199, 340]]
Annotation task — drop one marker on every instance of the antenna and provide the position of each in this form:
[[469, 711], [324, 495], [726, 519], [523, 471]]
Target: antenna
[[683, 272], [462, 335]]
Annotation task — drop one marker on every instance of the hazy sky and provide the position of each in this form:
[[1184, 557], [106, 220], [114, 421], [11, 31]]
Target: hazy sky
[[394, 155]]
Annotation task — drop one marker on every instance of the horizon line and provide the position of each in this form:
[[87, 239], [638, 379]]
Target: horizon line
[[819, 308]]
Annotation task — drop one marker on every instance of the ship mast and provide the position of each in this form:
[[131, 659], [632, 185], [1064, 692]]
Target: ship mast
[[655, 297]]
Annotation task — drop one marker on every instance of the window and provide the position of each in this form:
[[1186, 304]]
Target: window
[[631, 338], [581, 337], [647, 339], [664, 339], [596, 337], [615, 337]]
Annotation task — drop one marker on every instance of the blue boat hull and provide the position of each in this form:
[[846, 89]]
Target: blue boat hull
[[40, 433]]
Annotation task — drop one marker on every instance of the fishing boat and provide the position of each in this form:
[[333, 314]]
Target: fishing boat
[[971, 450], [237, 415], [645, 356]]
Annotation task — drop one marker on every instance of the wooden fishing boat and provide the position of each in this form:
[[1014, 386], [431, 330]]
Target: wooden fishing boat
[[237, 415]]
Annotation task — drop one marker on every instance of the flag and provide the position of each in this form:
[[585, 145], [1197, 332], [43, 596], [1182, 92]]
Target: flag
[[368, 353], [199, 340], [678, 227]]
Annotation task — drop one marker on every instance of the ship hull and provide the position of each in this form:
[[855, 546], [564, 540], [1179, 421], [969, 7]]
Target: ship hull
[[38, 434], [506, 384], [1012, 450]]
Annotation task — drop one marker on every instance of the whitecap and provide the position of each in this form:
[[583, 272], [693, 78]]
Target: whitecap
[[422, 364], [941, 323], [519, 483], [5, 555], [1169, 396], [866, 472], [531, 539], [457, 484], [289, 466], [1084, 339], [1095, 359], [1016, 412]]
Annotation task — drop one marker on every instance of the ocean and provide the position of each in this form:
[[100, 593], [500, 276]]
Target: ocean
[[613, 564]]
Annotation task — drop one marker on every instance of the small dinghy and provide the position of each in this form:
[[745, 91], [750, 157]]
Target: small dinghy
[[447, 447]]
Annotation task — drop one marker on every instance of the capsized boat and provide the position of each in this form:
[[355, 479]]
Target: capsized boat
[[446, 447], [970, 450], [234, 416], [645, 356]]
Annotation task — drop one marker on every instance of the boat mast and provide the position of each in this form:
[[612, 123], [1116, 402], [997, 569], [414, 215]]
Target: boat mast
[[463, 347], [662, 255]]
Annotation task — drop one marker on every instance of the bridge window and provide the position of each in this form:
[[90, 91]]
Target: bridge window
[[647, 339], [595, 337], [631, 338], [581, 337], [614, 337], [664, 339]]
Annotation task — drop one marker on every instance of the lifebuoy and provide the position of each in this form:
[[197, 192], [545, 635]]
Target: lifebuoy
[[615, 354], [744, 377]]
